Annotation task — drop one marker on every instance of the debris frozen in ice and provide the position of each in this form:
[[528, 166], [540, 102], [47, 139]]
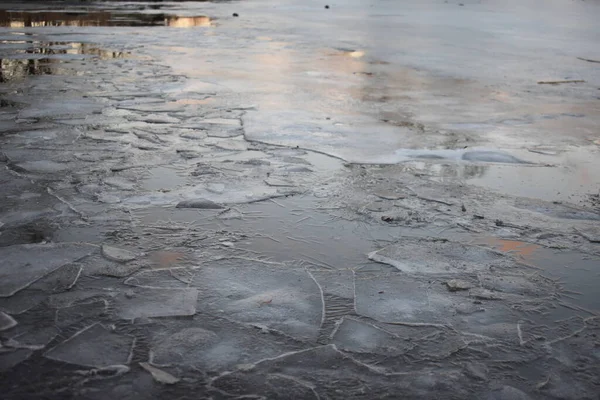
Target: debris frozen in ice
[[6, 321], [159, 375], [150, 302], [95, 346], [116, 254], [21, 265]]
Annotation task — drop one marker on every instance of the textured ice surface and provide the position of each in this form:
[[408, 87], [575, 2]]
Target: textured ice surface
[[324, 372], [213, 343], [117, 254], [44, 167], [162, 278], [11, 357], [147, 302], [95, 346], [361, 337], [6, 321], [428, 256], [398, 297], [282, 298], [21, 265]]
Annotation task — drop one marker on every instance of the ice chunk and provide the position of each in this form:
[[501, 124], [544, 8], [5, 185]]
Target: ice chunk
[[159, 375], [94, 346], [507, 393], [184, 346], [41, 167], [431, 256], [324, 372], [250, 291], [6, 321], [162, 278], [72, 315], [60, 280], [150, 302], [213, 344], [361, 337], [591, 233], [21, 265], [116, 254], [398, 297], [9, 359]]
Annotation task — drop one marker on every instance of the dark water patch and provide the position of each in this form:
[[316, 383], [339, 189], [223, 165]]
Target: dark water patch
[[19, 59], [32, 19]]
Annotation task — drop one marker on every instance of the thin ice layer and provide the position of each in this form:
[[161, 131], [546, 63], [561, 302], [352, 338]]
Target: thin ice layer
[[21, 265]]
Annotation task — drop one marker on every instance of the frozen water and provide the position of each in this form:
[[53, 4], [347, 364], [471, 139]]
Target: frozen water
[[591, 233], [159, 375], [60, 280], [21, 265], [284, 299], [361, 337], [213, 343], [117, 254], [10, 358], [162, 278], [430, 256], [491, 156], [199, 203], [398, 297], [41, 167], [326, 373], [507, 393], [6, 321], [150, 302], [95, 346], [77, 313]]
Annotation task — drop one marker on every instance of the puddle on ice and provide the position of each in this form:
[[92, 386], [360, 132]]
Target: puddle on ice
[[21, 58], [26, 19]]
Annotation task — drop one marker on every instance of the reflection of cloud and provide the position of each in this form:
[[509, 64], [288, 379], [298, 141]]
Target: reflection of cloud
[[187, 22]]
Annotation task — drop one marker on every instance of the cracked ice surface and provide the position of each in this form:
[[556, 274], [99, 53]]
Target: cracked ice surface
[[22, 265]]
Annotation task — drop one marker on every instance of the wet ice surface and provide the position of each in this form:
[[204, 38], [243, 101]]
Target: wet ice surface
[[283, 205]]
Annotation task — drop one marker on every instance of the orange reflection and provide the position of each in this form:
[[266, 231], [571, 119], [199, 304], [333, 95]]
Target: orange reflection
[[515, 247], [187, 22]]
